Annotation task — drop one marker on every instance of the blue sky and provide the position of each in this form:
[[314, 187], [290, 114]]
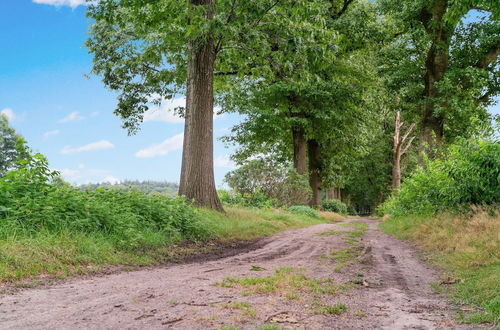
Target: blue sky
[[68, 117]]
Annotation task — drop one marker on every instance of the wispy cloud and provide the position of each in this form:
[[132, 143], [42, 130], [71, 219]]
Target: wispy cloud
[[165, 112], [74, 116], [82, 174], [171, 144], [94, 114], [71, 3], [51, 133], [9, 113], [100, 145], [224, 161]]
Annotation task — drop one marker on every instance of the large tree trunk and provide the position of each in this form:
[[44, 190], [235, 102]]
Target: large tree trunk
[[436, 65], [197, 181], [187, 122], [299, 150], [315, 172]]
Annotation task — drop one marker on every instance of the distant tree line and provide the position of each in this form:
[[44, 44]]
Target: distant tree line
[[163, 187]]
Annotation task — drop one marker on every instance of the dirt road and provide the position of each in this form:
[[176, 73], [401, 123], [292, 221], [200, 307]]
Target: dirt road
[[318, 277]]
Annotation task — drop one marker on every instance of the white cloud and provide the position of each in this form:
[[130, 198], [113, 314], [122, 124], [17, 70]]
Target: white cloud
[[165, 112], [71, 3], [83, 174], [100, 145], [171, 144], [51, 133], [74, 116], [94, 114], [224, 161], [9, 113]]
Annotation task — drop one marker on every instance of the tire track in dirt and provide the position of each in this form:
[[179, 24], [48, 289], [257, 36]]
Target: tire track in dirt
[[185, 297]]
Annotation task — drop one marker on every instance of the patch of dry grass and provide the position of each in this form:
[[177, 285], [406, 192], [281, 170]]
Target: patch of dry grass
[[467, 247]]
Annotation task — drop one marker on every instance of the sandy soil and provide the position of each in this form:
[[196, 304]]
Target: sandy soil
[[394, 292]]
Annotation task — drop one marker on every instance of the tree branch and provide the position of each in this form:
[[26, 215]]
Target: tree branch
[[410, 129], [343, 9], [405, 149], [489, 57]]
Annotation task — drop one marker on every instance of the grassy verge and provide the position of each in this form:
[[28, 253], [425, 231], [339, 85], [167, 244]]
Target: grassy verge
[[66, 253], [467, 248]]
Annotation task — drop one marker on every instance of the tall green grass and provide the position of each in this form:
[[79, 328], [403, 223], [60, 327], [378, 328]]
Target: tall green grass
[[50, 227], [68, 252]]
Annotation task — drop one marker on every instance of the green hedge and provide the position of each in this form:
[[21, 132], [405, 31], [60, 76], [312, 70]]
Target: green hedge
[[469, 175]]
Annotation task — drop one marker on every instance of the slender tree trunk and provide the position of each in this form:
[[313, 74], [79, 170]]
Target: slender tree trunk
[[315, 172], [396, 172], [330, 193], [333, 193], [299, 150], [197, 181], [399, 150]]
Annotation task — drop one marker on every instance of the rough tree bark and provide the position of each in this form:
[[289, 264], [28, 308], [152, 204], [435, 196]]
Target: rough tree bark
[[398, 150], [436, 65], [197, 181], [299, 150], [315, 172]]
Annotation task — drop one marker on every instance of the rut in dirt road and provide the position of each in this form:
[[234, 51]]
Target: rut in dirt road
[[329, 276]]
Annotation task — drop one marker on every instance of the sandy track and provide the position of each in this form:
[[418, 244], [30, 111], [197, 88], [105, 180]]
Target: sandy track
[[185, 297]]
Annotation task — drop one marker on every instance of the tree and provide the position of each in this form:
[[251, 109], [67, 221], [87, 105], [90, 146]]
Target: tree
[[446, 59], [8, 152], [400, 147], [149, 50], [311, 106], [276, 180]]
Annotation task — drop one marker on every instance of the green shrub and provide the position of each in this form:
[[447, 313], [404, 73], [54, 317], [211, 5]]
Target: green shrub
[[257, 199], [304, 210], [469, 175], [278, 181], [351, 210], [334, 205], [30, 201]]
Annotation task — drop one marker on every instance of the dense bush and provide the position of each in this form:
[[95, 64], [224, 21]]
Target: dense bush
[[304, 210], [256, 199], [275, 180], [469, 175], [31, 201], [334, 205]]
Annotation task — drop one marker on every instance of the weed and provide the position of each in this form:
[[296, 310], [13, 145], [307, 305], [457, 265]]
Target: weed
[[287, 281], [359, 314], [245, 308], [336, 309], [257, 268]]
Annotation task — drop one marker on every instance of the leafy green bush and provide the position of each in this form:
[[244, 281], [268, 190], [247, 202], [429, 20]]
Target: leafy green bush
[[351, 210], [30, 201], [334, 205], [304, 210], [469, 175], [256, 199], [279, 182]]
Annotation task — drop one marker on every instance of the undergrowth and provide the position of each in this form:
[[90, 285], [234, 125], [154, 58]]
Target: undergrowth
[[48, 227]]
